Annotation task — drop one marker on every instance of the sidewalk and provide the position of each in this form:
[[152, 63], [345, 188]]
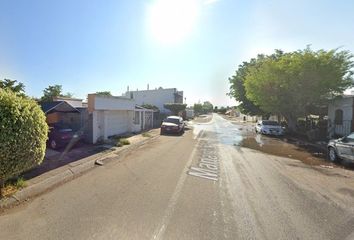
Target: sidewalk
[[50, 179]]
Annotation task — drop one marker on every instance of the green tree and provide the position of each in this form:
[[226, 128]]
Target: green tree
[[207, 107], [13, 85], [23, 135], [54, 91], [150, 106], [198, 108], [290, 83], [237, 87], [104, 93], [222, 110], [175, 108]]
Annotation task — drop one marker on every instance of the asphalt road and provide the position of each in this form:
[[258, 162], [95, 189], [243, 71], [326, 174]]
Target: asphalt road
[[195, 186]]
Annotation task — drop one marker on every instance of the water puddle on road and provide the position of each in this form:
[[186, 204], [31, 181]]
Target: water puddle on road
[[278, 147]]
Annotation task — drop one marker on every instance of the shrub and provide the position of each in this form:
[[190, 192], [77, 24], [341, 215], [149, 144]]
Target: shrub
[[145, 134], [124, 141], [23, 134]]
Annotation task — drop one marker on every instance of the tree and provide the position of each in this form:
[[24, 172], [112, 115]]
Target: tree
[[207, 107], [289, 84], [54, 91], [237, 87], [150, 106], [13, 85], [104, 93], [222, 110], [198, 108], [23, 135], [175, 108]]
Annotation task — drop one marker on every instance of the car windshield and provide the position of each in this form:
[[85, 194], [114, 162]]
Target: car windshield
[[171, 120], [270, 123]]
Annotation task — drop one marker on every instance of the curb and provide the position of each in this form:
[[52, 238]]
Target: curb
[[75, 169]]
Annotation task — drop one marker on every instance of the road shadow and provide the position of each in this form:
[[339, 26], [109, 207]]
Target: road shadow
[[64, 156]]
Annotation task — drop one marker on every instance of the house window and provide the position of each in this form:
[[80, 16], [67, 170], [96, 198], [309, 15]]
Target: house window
[[137, 117], [338, 119]]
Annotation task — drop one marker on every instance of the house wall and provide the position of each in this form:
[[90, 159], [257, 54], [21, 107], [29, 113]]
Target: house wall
[[97, 102], [156, 97], [346, 105], [113, 116], [116, 122]]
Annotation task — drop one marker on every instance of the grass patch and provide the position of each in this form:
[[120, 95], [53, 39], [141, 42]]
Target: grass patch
[[145, 134], [124, 141], [12, 186]]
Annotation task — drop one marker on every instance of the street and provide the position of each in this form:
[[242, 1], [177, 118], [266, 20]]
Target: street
[[200, 185]]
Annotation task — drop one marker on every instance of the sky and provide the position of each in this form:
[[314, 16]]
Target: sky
[[192, 45]]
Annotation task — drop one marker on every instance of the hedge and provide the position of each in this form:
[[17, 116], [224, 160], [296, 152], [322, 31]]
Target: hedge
[[23, 134]]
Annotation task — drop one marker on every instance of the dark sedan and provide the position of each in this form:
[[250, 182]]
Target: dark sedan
[[342, 148], [172, 124], [61, 135]]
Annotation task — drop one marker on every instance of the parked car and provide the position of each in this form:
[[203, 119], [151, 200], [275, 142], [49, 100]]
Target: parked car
[[172, 124], [61, 135], [269, 127], [342, 148]]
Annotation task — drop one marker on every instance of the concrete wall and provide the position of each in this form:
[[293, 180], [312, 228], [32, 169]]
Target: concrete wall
[[97, 102], [157, 97]]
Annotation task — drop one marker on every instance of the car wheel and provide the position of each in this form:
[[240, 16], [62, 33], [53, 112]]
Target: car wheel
[[332, 155], [53, 144]]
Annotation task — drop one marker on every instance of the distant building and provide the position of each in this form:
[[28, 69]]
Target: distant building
[[157, 97]]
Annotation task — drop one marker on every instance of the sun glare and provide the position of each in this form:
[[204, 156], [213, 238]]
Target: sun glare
[[171, 21]]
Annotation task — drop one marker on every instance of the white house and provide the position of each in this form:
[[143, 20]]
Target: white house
[[340, 116], [116, 115], [157, 97]]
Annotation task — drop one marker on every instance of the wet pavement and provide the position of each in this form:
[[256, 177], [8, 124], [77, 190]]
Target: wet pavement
[[242, 134]]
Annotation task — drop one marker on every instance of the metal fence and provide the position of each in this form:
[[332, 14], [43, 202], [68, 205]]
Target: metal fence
[[340, 129]]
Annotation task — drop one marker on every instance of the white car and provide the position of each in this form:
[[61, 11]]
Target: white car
[[269, 128]]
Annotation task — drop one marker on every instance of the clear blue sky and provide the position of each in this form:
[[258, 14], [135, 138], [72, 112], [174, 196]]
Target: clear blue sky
[[193, 45]]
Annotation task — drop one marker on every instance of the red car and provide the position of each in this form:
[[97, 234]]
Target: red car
[[61, 135], [172, 124]]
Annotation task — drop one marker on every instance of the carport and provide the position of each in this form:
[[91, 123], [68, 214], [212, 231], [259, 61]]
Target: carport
[[62, 112]]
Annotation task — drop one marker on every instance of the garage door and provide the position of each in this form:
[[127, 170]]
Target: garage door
[[117, 122]]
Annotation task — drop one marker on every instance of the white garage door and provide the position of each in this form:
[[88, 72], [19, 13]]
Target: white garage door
[[117, 122]]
